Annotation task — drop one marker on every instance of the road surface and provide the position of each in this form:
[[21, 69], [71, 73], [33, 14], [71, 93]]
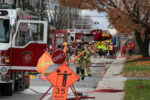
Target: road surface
[[38, 87]]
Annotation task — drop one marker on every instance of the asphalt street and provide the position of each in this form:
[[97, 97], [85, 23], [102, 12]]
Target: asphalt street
[[38, 87]]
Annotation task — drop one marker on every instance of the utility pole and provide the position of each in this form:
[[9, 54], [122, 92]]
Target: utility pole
[[23, 5], [14, 6], [55, 17], [69, 15], [41, 9], [48, 11]]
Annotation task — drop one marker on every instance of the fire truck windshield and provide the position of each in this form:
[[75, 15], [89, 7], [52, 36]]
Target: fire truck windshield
[[4, 31]]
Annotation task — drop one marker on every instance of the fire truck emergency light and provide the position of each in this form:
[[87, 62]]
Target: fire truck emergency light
[[7, 60]]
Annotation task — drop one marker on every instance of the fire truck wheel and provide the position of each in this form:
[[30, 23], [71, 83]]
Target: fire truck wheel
[[8, 89], [21, 87]]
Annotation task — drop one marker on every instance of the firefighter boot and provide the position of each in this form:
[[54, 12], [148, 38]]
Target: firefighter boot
[[89, 74], [78, 72], [83, 74]]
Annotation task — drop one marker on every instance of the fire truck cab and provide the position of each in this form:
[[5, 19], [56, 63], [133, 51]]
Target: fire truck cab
[[22, 42]]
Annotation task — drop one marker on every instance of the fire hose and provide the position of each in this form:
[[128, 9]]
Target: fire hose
[[85, 97]]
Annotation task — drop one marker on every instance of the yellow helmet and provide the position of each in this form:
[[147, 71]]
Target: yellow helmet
[[65, 43]]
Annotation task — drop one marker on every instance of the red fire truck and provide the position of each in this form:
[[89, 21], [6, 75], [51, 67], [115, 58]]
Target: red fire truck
[[99, 35], [22, 42], [75, 37], [58, 37]]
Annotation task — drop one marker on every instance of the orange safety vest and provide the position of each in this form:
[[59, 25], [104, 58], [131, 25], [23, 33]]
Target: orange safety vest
[[130, 46], [123, 48]]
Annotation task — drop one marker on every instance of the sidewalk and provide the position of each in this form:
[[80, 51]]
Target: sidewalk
[[111, 80]]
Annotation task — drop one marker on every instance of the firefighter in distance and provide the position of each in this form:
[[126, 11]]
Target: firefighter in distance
[[80, 62]]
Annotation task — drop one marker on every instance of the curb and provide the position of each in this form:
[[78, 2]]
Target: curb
[[112, 80]]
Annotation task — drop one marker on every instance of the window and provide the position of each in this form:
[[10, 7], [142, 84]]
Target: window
[[4, 31], [28, 32]]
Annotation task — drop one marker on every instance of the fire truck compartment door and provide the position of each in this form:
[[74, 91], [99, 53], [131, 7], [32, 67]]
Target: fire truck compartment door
[[29, 43]]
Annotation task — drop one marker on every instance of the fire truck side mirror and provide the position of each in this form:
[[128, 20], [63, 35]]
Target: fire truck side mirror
[[12, 21]]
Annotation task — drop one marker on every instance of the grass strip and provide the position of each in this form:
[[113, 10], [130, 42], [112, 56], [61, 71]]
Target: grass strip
[[137, 90], [137, 68]]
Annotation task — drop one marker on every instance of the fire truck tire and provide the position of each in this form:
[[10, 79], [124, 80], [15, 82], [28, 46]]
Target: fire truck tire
[[8, 89], [21, 87]]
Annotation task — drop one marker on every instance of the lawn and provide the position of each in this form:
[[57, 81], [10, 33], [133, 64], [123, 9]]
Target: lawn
[[137, 90], [137, 68]]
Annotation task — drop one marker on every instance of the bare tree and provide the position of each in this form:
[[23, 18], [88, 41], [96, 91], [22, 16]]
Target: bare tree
[[61, 18]]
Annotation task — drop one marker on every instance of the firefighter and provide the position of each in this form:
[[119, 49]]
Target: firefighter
[[68, 54], [123, 50], [130, 48], [80, 62], [111, 49], [100, 49], [51, 49], [106, 51], [89, 52], [93, 46], [59, 47], [103, 49]]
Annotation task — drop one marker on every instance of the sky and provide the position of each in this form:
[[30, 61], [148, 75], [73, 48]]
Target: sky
[[97, 17], [101, 18]]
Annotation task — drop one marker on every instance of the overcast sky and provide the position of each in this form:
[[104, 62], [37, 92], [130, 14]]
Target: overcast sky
[[101, 18], [97, 17]]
